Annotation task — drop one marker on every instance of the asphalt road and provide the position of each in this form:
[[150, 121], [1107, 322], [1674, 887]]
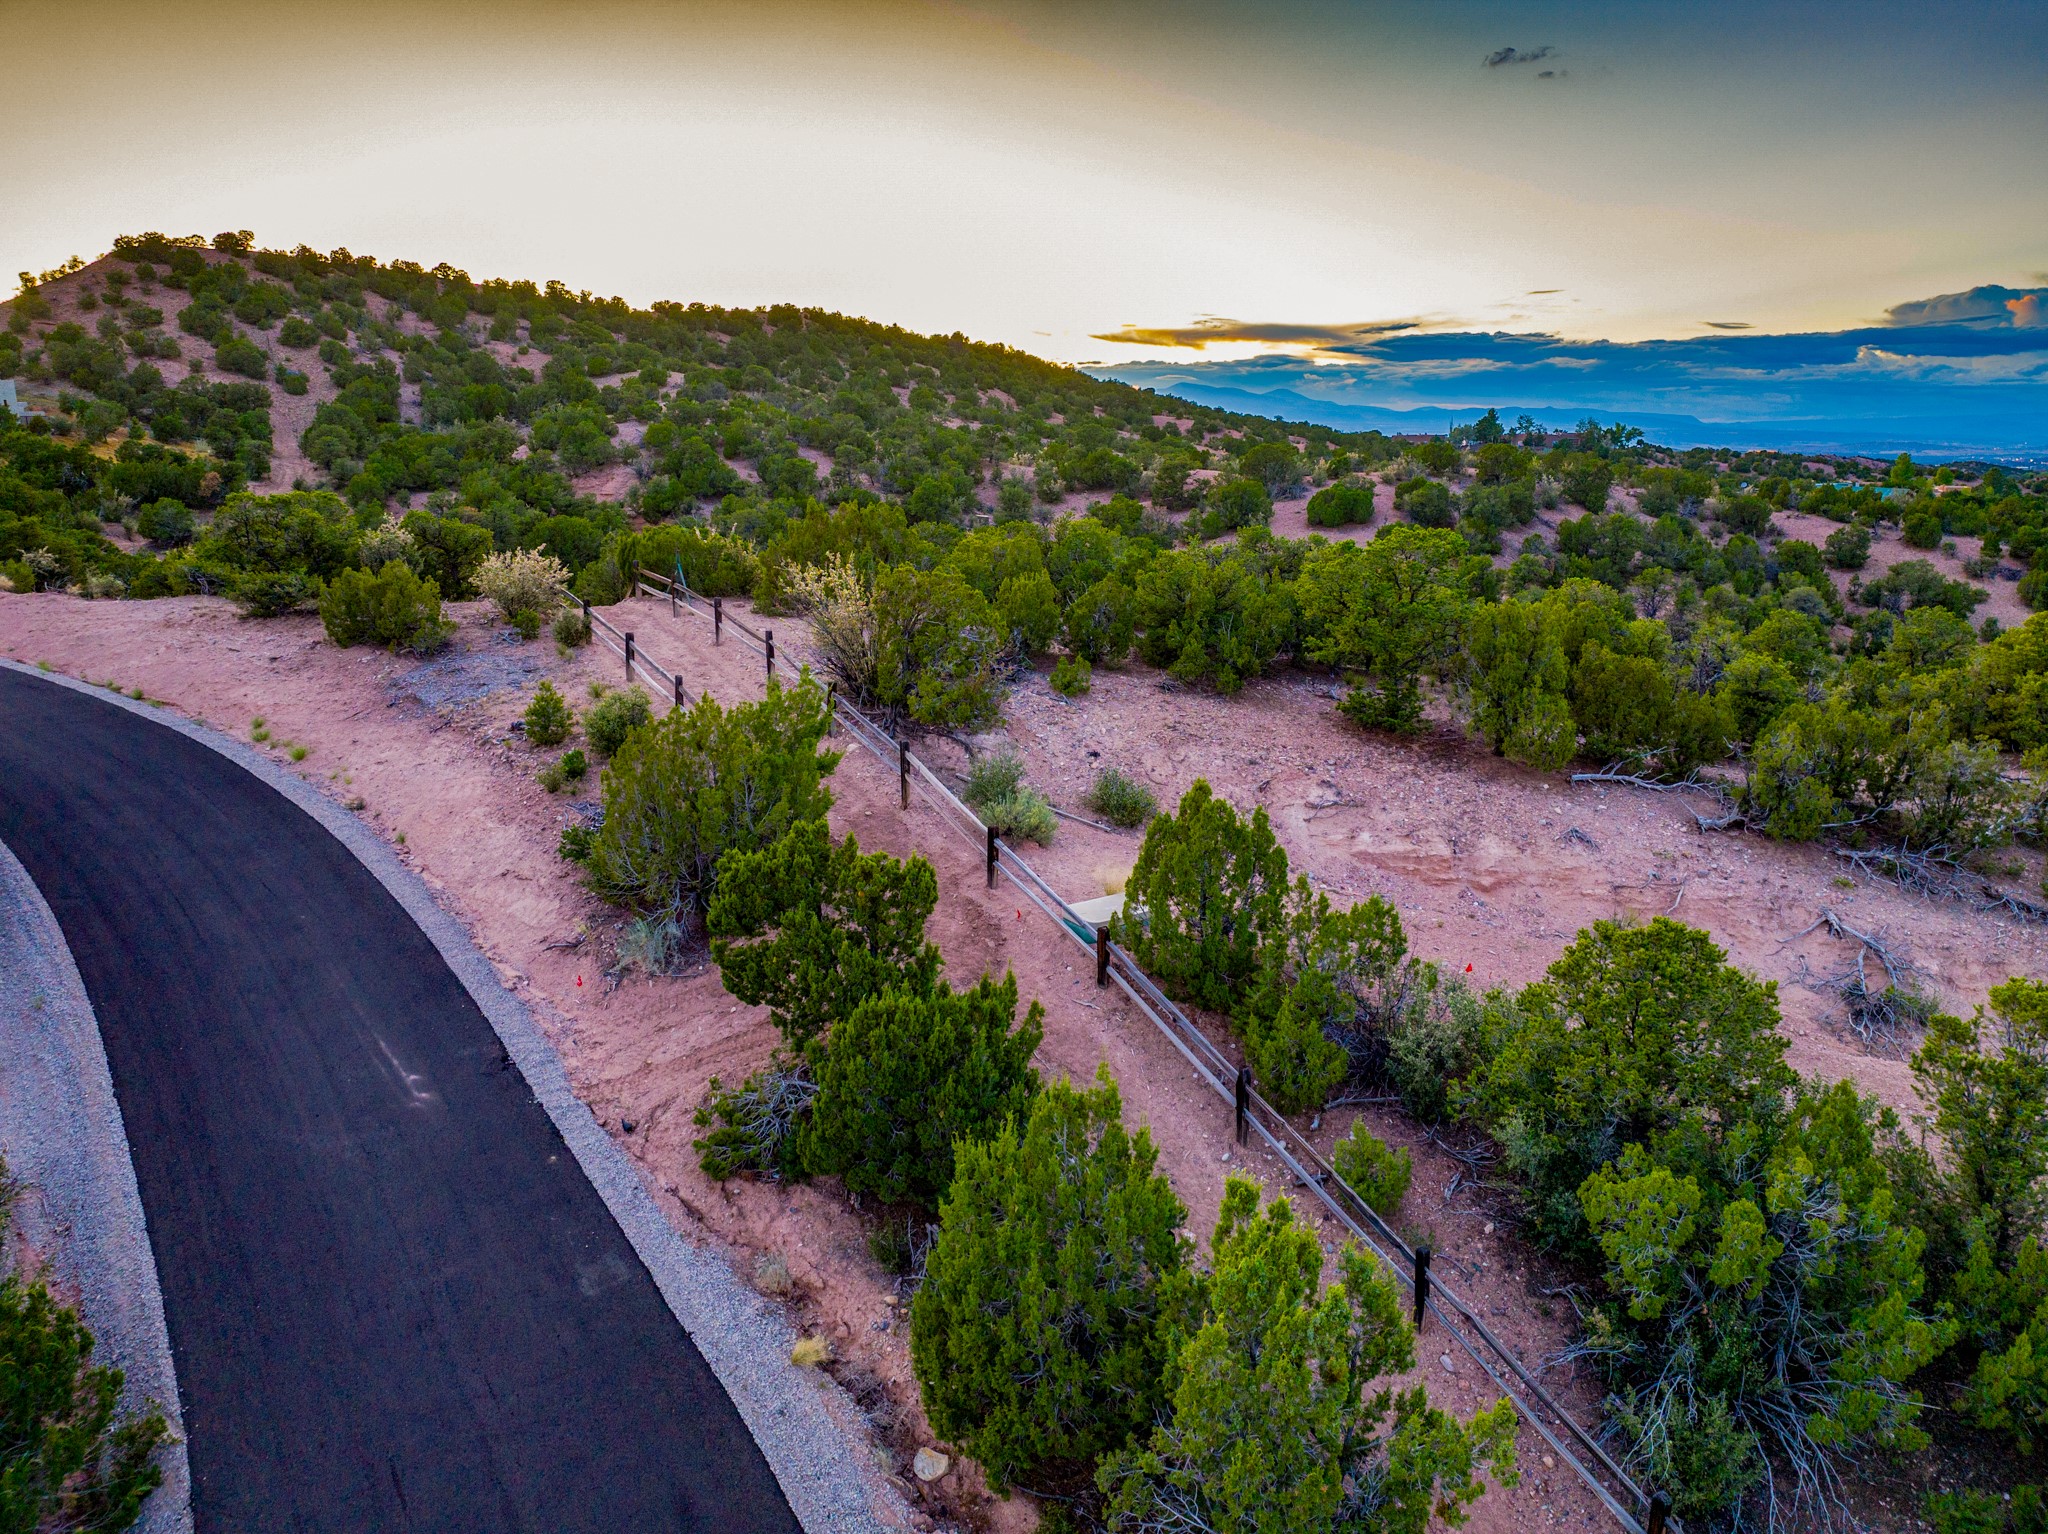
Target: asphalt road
[[394, 1300]]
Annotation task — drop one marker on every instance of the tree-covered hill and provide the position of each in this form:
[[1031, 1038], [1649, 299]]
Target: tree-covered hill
[[227, 419], [1781, 1279]]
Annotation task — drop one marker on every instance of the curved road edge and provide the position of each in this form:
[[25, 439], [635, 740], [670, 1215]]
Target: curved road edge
[[62, 1136], [833, 1485]]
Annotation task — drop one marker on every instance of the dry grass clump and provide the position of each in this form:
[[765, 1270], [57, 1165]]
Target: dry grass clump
[[811, 1352], [771, 1275]]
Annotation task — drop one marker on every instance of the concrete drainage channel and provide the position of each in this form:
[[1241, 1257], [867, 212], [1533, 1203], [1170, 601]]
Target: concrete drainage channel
[[828, 1477]]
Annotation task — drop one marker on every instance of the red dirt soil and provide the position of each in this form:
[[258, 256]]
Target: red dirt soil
[[1476, 853]]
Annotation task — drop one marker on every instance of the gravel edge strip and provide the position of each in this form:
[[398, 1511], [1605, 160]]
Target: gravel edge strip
[[63, 1138], [831, 1481]]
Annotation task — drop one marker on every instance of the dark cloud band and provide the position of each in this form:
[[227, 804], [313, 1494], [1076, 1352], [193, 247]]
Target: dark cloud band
[[1500, 56], [1965, 371], [1211, 332]]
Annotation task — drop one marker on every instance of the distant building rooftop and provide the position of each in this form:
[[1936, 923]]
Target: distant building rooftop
[[10, 396]]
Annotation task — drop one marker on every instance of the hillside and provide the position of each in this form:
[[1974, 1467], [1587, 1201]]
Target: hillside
[[1798, 690], [400, 386]]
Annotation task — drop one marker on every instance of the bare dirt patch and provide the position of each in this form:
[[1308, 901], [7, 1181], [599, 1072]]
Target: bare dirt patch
[[1290, 518], [1889, 548], [610, 483]]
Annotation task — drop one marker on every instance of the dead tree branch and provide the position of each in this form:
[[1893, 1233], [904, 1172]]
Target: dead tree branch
[[1729, 818], [1938, 875], [1886, 1019], [1633, 780], [1317, 808]]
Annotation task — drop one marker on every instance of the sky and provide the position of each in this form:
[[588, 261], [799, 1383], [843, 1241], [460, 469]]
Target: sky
[[1095, 182], [1960, 375]]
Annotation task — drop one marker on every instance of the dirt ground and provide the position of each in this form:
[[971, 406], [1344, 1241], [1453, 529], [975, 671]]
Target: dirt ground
[[1490, 865], [1888, 547]]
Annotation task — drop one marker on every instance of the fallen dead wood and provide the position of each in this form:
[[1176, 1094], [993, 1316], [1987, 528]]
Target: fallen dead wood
[[1729, 818], [1317, 808], [1887, 1018], [1935, 874], [1634, 780]]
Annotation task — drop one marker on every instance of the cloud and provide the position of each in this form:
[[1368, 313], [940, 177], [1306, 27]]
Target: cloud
[[2016, 366], [1210, 332], [1501, 56], [1964, 372], [1988, 304]]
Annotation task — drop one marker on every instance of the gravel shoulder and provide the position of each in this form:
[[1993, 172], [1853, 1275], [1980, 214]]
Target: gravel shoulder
[[830, 1483], [1492, 866], [77, 1206]]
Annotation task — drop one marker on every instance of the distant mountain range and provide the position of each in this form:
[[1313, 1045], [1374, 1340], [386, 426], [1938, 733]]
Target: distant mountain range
[[1962, 375]]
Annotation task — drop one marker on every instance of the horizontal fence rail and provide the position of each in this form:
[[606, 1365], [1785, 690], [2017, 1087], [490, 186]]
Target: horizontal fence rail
[[623, 644], [1607, 1480]]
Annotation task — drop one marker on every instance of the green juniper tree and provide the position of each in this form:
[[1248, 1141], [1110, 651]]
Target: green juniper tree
[[1271, 1429], [1765, 1307], [1392, 609], [1762, 1314], [1636, 1032], [1323, 979], [1518, 681], [70, 1456], [394, 608], [1988, 1199], [908, 1075], [1207, 896], [811, 929], [1041, 1332], [699, 782]]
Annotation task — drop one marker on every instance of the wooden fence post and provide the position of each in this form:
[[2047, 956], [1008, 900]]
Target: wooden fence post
[[1102, 956], [991, 857], [718, 620], [629, 660], [1660, 1511], [768, 638], [903, 771], [1244, 1103], [1421, 1284], [679, 690], [831, 706]]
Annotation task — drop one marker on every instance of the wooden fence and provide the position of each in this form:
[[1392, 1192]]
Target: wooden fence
[[1634, 1510]]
